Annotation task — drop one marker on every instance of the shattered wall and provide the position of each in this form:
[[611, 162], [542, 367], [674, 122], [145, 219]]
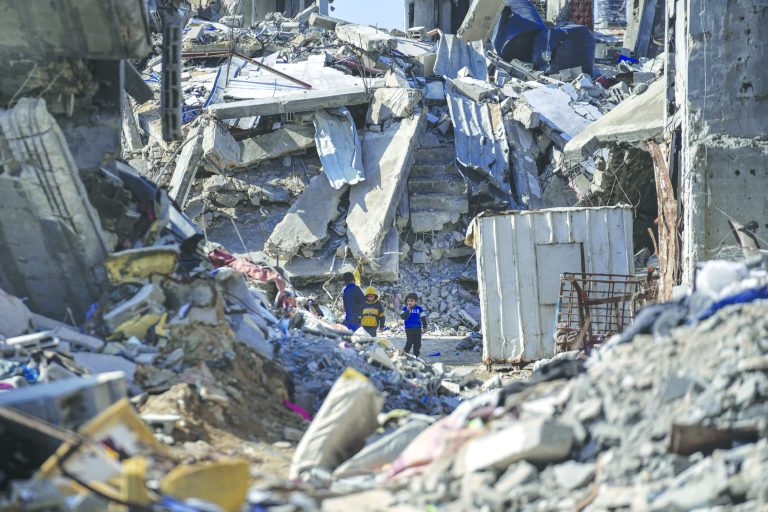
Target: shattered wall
[[48, 228], [721, 92]]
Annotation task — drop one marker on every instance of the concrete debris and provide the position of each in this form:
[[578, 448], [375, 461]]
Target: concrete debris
[[637, 119], [315, 147], [366, 38], [305, 226], [393, 103], [387, 157]]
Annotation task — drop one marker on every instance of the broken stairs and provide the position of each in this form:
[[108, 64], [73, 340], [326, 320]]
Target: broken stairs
[[437, 193]]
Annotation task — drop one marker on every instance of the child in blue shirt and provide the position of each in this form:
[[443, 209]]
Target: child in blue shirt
[[415, 323]]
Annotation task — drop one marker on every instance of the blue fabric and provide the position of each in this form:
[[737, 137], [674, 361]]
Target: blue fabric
[[520, 24], [569, 46], [414, 318], [744, 297], [354, 302]]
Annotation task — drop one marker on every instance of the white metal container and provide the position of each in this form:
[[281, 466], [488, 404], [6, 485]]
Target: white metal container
[[520, 256]]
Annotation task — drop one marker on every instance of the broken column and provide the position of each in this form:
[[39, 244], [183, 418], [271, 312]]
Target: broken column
[[723, 150], [387, 157]]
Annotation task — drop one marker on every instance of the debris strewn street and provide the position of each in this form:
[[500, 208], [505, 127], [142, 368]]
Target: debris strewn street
[[296, 256]]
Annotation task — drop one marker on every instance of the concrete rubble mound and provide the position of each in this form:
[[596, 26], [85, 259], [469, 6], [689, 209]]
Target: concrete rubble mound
[[574, 191]]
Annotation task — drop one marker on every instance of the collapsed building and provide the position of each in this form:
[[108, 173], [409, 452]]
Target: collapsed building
[[182, 184]]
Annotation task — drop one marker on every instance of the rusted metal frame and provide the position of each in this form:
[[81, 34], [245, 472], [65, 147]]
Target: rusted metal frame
[[230, 54], [667, 221]]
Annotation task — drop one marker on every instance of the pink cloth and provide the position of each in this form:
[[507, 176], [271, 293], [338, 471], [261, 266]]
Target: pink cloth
[[297, 409]]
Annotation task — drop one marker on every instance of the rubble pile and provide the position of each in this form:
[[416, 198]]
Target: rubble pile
[[405, 381], [670, 415]]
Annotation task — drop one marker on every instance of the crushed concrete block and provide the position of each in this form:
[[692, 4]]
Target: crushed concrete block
[[472, 88], [462, 375], [536, 440], [222, 151], [396, 78], [366, 38], [643, 77], [516, 475], [525, 115], [387, 158], [480, 20], [306, 223], [419, 258], [392, 103], [572, 475]]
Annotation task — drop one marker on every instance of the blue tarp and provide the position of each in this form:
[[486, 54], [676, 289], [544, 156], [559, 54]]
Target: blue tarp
[[520, 24], [563, 47]]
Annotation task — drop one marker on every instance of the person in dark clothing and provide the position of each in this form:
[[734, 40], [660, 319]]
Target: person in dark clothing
[[354, 302], [415, 322]]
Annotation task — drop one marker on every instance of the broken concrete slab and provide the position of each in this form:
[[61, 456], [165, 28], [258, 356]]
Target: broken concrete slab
[[393, 103], [325, 22], [338, 147], [304, 101], [366, 38], [556, 108], [306, 223], [536, 440], [221, 150], [387, 158], [480, 20], [635, 120], [187, 165]]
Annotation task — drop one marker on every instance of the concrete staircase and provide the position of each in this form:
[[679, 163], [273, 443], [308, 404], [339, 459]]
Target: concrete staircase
[[437, 194]]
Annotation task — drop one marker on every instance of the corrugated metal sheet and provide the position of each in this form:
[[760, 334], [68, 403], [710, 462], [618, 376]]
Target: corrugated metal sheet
[[454, 54], [520, 256], [481, 141], [338, 147]]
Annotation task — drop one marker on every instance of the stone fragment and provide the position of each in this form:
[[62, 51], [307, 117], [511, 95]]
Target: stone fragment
[[572, 475], [536, 440], [392, 103]]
